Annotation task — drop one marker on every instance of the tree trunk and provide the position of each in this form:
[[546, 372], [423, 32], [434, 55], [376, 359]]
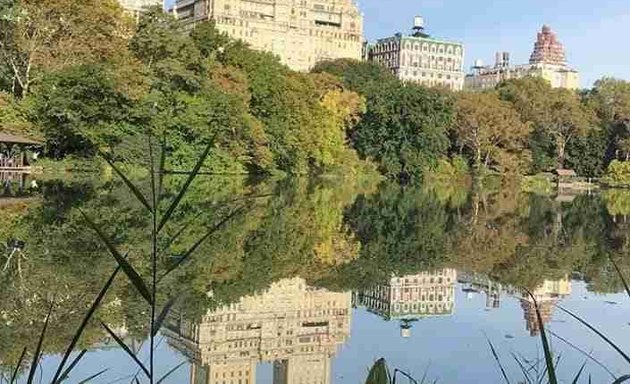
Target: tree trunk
[[477, 159], [561, 144]]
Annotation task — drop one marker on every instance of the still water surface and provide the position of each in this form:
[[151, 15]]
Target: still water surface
[[319, 279]]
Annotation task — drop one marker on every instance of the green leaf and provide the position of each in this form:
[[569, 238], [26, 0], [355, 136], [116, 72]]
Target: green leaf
[[379, 374], [38, 350], [162, 316], [623, 280], [551, 370], [588, 355], [187, 254], [129, 184], [94, 376], [76, 360], [175, 368], [17, 366], [131, 273], [601, 335], [184, 189], [126, 349], [522, 367], [86, 319], [161, 169], [577, 377], [496, 358]]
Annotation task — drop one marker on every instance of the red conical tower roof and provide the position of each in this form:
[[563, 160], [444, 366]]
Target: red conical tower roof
[[547, 49]]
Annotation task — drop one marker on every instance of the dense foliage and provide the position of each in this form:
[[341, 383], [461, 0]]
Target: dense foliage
[[116, 85]]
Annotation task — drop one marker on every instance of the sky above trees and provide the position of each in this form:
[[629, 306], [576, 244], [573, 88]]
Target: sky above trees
[[593, 33]]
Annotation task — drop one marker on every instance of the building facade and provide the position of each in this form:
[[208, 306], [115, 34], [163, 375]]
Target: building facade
[[410, 298], [296, 327], [136, 7], [420, 58], [547, 61], [300, 32]]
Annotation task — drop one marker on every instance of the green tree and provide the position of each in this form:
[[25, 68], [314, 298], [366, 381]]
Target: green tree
[[610, 98], [556, 114], [491, 131], [404, 127], [44, 35], [82, 110]]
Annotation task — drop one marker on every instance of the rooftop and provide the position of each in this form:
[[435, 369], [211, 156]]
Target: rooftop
[[15, 139]]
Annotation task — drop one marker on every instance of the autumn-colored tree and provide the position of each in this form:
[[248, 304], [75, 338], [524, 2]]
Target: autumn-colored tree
[[491, 131], [44, 35], [557, 113]]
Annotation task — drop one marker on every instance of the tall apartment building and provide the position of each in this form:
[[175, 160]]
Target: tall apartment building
[[547, 61], [420, 58], [412, 297], [296, 327], [301, 32], [136, 7]]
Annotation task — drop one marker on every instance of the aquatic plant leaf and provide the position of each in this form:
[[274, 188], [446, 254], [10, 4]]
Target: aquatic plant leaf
[[192, 249], [577, 376], [38, 349], [74, 362], [94, 376], [379, 374], [605, 368], [623, 279], [522, 367], [551, 370], [126, 349], [86, 319], [175, 368], [163, 313], [18, 366], [182, 192], [131, 273], [496, 358], [129, 184], [598, 333]]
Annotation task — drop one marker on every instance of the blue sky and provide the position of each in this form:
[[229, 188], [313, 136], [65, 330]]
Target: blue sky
[[596, 34]]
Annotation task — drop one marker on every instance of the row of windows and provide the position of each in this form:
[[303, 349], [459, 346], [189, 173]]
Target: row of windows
[[429, 75], [416, 46]]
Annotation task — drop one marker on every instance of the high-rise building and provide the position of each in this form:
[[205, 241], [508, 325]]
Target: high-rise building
[[412, 297], [296, 327], [547, 61], [301, 32], [136, 7], [420, 58]]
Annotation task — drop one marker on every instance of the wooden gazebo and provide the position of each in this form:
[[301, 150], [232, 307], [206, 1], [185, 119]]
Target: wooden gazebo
[[13, 152]]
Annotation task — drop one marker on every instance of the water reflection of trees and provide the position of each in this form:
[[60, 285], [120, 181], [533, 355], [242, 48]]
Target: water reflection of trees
[[336, 234]]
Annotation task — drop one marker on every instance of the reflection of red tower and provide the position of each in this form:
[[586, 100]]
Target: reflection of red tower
[[529, 313], [547, 49]]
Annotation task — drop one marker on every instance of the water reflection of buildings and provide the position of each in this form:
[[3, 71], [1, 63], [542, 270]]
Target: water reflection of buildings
[[475, 283], [412, 297], [547, 295], [296, 327]]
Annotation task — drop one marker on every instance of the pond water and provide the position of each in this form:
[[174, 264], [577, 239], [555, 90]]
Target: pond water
[[312, 281]]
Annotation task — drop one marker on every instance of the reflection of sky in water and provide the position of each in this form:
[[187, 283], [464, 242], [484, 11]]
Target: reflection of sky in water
[[453, 347]]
